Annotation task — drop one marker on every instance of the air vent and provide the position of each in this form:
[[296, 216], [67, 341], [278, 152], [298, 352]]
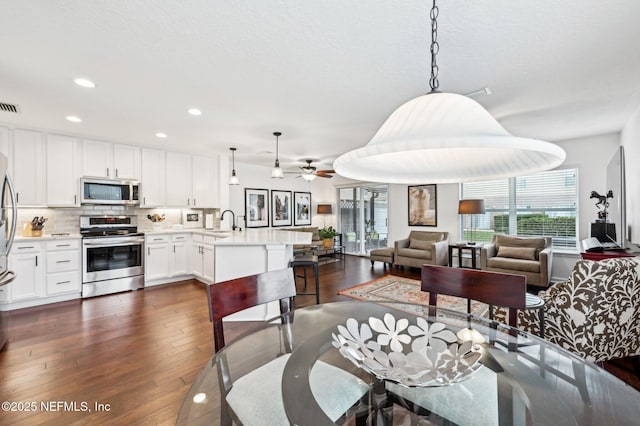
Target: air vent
[[4, 107]]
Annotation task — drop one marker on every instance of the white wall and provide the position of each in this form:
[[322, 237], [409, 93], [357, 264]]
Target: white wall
[[631, 142], [253, 176]]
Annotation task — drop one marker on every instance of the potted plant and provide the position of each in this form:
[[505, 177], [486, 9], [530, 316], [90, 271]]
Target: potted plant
[[326, 234]]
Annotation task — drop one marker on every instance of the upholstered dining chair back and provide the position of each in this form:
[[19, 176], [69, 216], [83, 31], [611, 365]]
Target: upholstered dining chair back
[[493, 288], [229, 297]]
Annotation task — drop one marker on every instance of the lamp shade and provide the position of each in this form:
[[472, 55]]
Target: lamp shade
[[445, 138], [471, 207], [324, 209]]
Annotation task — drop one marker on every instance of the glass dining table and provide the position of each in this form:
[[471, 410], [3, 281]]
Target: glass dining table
[[419, 366]]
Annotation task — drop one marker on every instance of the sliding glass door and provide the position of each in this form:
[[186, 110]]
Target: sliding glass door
[[363, 217]]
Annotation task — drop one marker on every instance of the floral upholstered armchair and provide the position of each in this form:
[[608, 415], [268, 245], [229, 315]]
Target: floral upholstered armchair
[[596, 313]]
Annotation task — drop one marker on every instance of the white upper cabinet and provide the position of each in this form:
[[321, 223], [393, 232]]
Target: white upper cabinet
[[152, 181], [63, 171], [104, 159], [126, 161], [28, 169], [204, 182], [179, 180]]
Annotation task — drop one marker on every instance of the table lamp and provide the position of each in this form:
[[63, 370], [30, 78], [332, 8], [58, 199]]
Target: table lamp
[[324, 209], [471, 207]]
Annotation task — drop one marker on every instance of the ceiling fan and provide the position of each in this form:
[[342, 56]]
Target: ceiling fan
[[309, 172]]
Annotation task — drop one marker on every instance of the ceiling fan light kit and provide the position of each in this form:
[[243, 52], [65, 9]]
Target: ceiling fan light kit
[[445, 138], [276, 172]]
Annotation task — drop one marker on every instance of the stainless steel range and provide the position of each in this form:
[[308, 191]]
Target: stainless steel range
[[112, 255]]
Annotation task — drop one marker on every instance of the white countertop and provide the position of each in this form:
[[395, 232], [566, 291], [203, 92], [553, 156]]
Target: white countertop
[[48, 237], [246, 236]]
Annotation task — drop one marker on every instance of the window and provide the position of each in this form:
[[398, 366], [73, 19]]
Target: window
[[543, 204]]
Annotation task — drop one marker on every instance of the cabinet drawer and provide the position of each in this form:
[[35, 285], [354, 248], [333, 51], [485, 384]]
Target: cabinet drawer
[[25, 247], [63, 282], [179, 237], [59, 261], [157, 239], [63, 245], [197, 238]]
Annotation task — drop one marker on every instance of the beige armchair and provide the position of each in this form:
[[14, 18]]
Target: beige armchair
[[422, 247], [528, 256], [596, 313]]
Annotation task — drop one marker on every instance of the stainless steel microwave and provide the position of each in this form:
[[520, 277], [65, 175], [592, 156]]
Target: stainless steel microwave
[[110, 191]]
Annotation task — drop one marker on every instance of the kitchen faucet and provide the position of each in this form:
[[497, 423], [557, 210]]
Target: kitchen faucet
[[233, 219]]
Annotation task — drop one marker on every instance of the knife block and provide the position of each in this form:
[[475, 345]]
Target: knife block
[[28, 231]]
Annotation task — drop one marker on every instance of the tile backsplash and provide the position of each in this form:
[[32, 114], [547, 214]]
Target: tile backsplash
[[67, 220]]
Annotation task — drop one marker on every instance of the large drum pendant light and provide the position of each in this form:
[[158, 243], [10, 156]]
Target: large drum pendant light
[[445, 138]]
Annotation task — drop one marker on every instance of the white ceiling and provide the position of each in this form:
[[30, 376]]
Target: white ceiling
[[324, 73]]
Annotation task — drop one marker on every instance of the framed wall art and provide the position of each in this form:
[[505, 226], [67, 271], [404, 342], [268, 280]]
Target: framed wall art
[[302, 208], [423, 205], [256, 207], [280, 208]]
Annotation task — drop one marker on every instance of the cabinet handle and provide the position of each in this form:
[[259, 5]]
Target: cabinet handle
[[194, 202], [174, 248], [63, 261], [63, 245], [148, 251], [144, 200], [157, 239], [17, 197], [188, 201], [36, 260], [75, 199], [116, 172], [63, 282], [25, 247], [107, 171]]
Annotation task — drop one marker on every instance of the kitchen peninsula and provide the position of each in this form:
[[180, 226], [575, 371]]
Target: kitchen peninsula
[[217, 256]]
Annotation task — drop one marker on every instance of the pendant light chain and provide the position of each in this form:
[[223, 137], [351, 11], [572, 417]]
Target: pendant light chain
[[435, 48]]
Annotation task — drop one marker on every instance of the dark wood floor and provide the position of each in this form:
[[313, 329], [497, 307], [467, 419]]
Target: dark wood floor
[[136, 352]]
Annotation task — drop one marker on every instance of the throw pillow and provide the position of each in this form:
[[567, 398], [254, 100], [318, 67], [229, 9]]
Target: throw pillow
[[525, 253], [420, 244]]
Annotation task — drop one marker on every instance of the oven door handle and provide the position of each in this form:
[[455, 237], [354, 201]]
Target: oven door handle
[[115, 243]]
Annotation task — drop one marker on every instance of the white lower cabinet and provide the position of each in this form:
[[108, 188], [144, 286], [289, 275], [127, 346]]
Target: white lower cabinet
[[64, 270], [27, 262], [166, 258], [179, 257], [47, 271], [201, 257], [157, 258]]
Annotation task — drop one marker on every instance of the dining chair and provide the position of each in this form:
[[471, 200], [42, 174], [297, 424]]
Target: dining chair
[[255, 398], [493, 288]]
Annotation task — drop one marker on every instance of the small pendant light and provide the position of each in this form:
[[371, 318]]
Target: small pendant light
[[276, 172], [233, 179]]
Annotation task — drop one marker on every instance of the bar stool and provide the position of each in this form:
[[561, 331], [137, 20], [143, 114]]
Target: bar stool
[[304, 261]]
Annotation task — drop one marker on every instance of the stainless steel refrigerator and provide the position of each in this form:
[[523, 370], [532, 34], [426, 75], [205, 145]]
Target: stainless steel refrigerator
[[8, 217]]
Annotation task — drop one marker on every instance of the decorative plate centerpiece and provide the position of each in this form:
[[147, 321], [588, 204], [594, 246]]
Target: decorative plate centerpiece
[[424, 354]]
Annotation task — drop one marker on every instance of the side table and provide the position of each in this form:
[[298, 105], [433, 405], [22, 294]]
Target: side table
[[474, 250]]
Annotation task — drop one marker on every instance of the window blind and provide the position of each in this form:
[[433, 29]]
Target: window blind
[[544, 204]]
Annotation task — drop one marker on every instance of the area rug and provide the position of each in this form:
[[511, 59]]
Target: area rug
[[399, 289]]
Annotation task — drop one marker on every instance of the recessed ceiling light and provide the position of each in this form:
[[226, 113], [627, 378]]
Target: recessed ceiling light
[[194, 111], [84, 83], [73, 119], [161, 135]]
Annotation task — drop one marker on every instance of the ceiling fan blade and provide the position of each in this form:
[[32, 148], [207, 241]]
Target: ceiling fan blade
[[324, 176], [325, 172]]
